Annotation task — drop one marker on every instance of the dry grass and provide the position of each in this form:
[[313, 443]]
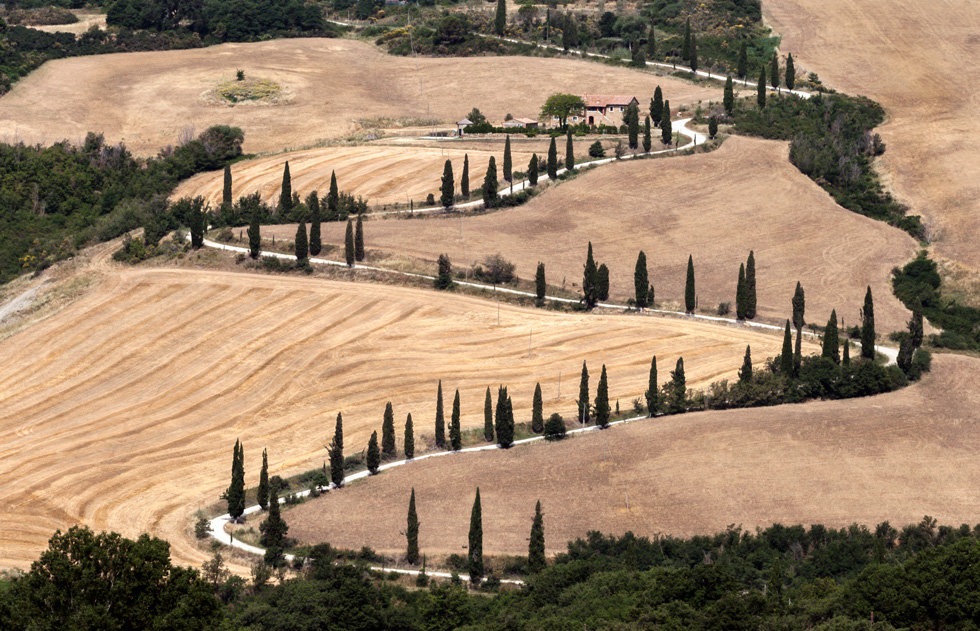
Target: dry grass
[[86, 20], [894, 457], [718, 206], [120, 410], [147, 99]]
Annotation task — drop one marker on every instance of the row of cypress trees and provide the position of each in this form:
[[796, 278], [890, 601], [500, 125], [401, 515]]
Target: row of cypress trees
[[273, 529]]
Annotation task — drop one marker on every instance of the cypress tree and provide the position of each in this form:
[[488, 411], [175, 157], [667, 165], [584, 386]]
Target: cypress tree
[[633, 126], [359, 239], [254, 236], [273, 530], [444, 277], [647, 141], [537, 414], [745, 372], [602, 283], [678, 388], [583, 396], [831, 339], [905, 354], [666, 128], [750, 300], [690, 297], [790, 78], [333, 197], [774, 70], [301, 246], [694, 53], [286, 193], [455, 432], [475, 550], [602, 410], [799, 306], [532, 170], [349, 244], [760, 90], [235, 494], [742, 69], [590, 280], [729, 98], [226, 190], [798, 353], [846, 359], [535, 547], [409, 438], [313, 203], [686, 45], [651, 43], [508, 162], [652, 394], [488, 418], [740, 294], [336, 453], [868, 326], [197, 226], [540, 286], [373, 457], [500, 18], [447, 190], [490, 184], [412, 532], [440, 420], [712, 126], [641, 282], [262, 496], [464, 179], [505, 420], [657, 106], [569, 153], [786, 356], [552, 159], [388, 432]]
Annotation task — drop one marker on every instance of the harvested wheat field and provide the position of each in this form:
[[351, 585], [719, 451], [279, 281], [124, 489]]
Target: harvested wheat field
[[149, 99], [718, 206], [120, 411], [918, 59], [893, 457]]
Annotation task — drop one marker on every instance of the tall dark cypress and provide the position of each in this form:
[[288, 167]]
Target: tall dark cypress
[[535, 547], [602, 283], [790, 78], [633, 126], [440, 420], [500, 18], [537, 413], [313, 203], [490, 185], [409, 438], [690, 295], [359, 239], [786, 356], [286, 192], [745, 372], [388, 432], [412, 532], [504, 423], [584, 413], [693, 61], [540, 285], [336, 453], [455, 432], [657, 106], [799, 307], [760, 89], [641, 282], [373, 458], [464, 179], [729, 99], [333, 197], [569, 152], [262, 495], [868, 326], [301, 246], [678, 388], [666, 127], [686, 44], [447, 192], [254, 235], [552, 159], [273, 530], [774, 70], [475, 550], [349, 244], [652, 393], [235, 494], [647, 140], [508, 162], [740, 293], [750, 298], [226, 190], [532, 170], [742, 69], [798, 353], [488, 434], [831, 339], [590, 281], [651, 43], [602, 410]]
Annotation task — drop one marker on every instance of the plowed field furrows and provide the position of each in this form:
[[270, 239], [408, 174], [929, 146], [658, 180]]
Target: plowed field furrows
[[895, 457], [716, 206], [148, 99], [919, 60], [120, 411]]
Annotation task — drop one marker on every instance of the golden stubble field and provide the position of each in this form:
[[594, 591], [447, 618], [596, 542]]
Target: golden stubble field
[[894, 457], [120, 411], [716, 206], [149, 99]]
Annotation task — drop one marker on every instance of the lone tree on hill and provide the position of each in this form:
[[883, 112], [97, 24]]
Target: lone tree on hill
[[388, 432], [532, 170], [786, 356], [774, 71], [447, 189], [760, 90], [488, 417], [540, 286], [262, 495], [333, 196], [359, 239], [657, 106], [647, 141], [750, 301], [602, 283], [336, 453], [464, 179], [690, 297], [455, 432], [254, 235], [226, 200], [373, 458], [602, 410], [537, 414], [632, 120], [590, 281], [409, 438], [729, 98], [508, 163], [831, 339], [745, 372], [444, 278], [313, 203], [412, 532], [300, 245], [641, 282], [583, 396], [500, 18], [666, 128], [349, 244], [235, 494], [535, 547], [742, 67], [490, 185], [740, 293], [652, 393], [868, 326], [273, 530], [677, 394], [790, 78], [561, 106], [440, 434], [569, 152], [286, 192], [475, 550]]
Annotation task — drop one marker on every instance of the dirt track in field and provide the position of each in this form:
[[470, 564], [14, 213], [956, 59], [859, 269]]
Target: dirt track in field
[[718, 206], [895, 457], [147, 99], [119, 412], [919, 60]]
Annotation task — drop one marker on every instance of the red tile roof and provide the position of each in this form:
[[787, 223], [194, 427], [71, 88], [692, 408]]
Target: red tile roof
[[605, 100]]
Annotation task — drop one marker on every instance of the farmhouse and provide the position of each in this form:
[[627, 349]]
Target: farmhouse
[[527, 123], [603, 109]]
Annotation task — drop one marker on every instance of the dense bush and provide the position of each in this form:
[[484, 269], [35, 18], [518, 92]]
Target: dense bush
[[918, 282]]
